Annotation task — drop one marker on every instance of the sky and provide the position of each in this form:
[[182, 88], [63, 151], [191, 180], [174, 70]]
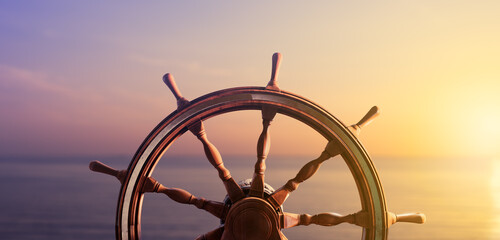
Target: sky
[[84, 78]]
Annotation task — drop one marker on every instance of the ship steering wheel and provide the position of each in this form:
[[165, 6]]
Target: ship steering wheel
[[252, 212]]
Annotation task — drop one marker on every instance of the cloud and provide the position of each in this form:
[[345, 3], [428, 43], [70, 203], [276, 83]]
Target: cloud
[[192, 66], [13, 77], [43, 113], [36, 86]]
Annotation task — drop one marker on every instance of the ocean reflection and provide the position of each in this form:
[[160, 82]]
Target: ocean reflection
[[495, 192]]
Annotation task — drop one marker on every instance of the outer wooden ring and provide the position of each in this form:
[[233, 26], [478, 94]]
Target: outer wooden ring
[[128, 217]]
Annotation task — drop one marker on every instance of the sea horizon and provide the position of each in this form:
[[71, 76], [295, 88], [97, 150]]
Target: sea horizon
[[59, 197]]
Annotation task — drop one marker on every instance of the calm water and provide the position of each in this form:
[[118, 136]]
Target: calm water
[[62, 199]]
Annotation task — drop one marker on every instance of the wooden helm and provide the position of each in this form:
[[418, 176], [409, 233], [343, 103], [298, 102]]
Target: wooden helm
[[253, 214]]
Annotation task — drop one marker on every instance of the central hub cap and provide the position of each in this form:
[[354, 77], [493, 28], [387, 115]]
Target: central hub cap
[[251, 218]]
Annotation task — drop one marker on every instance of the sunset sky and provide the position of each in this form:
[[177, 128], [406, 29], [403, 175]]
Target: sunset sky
[[84, 78]]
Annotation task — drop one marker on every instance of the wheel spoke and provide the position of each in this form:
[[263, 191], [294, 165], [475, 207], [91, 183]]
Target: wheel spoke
[[233, 189], [288, 220], [263, 146], [217, 209], [215, 234], [279, 196], [406, 217], [361, 218]]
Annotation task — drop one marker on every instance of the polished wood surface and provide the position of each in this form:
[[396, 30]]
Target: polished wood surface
[[252, 218], [215, 234]]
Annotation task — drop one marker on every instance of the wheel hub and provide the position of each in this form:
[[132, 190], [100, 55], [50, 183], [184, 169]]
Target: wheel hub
[[252, 218]]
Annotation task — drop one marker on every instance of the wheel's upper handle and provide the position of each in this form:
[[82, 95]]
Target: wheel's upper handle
[[273, 83], [169, 80], [369, 116]]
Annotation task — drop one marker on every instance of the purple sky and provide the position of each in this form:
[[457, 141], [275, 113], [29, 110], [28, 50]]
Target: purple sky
[[85, 78]]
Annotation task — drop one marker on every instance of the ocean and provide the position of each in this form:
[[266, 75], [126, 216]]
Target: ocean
[[60, 198]]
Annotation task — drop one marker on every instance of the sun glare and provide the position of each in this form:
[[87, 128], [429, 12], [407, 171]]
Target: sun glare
[[473, 116], [485, 135]]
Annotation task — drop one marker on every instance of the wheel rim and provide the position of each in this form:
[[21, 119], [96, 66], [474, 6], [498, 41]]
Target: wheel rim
[[128, 219]]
